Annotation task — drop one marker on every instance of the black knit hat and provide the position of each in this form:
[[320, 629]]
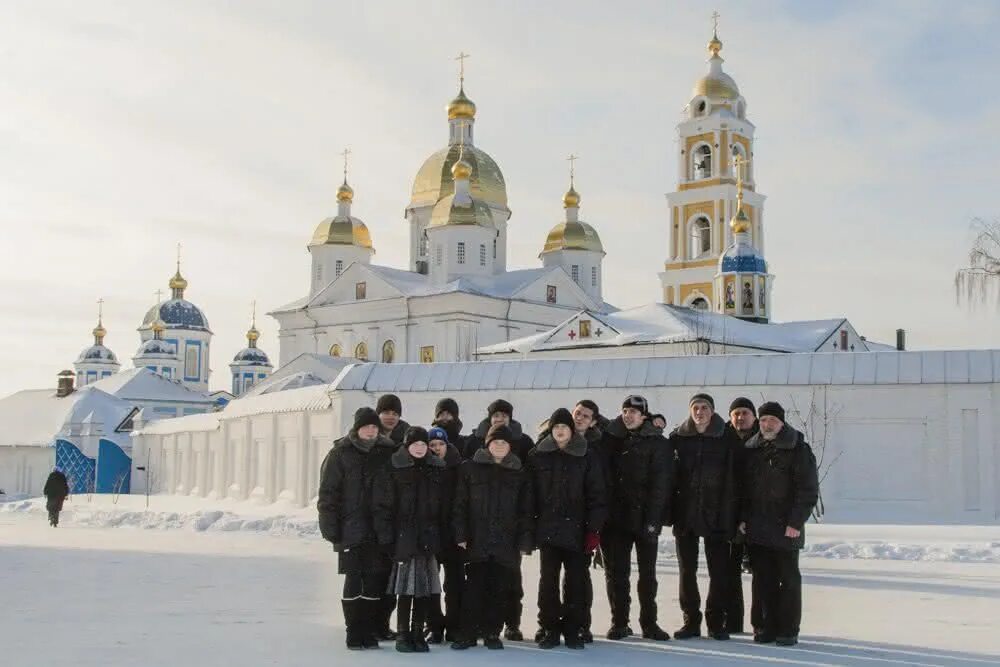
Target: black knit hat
[[449, 405], [365, 417], [500, 432], [389, 402], [561, 416], [415, 434], [637, 402], [773, 409], [500, 405], [702, 398], [742, 402]]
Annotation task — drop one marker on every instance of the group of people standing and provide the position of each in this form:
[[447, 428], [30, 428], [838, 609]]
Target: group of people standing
[[401, 503]]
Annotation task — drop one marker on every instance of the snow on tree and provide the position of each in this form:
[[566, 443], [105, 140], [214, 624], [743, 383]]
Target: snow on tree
[[979, 282]]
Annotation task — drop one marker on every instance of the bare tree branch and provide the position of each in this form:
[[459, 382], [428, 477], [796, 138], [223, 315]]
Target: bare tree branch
[[979, 282]]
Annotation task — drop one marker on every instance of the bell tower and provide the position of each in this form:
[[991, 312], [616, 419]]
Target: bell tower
[[712, 134]]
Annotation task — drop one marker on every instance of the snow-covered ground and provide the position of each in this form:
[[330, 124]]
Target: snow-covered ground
[[195, 582]]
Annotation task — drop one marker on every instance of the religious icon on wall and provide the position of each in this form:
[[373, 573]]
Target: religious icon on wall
[[760, 292], [336, 350], [427, 354], [361, 351], [730, 295], [584, 328], [360, 291], [747, 295], [550, 293], [388, 352]]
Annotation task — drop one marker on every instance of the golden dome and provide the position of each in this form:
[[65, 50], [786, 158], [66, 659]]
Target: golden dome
[[434, 179], [253, 334], [716, 85], [461, 170], [740, 222], [461, 107], [571, 199], [158, 326], [345, 193], [446, 212], [714, 45], [342, 230], [573, 236], [178, 281], [99, 331]]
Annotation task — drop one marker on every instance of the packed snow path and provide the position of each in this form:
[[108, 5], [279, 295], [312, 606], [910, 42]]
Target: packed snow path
[[123, 596]]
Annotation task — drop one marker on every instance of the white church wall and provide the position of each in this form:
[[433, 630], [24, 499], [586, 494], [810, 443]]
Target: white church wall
[[24, 469]]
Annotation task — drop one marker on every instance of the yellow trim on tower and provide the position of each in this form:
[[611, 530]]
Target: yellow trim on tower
[[688, 264], [687, 290], [668, 294]]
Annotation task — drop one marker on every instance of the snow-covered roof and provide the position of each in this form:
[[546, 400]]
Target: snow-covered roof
[[662, 323], [142, 384], [207, 421], [321, 366], [925, 367], [34, 417]]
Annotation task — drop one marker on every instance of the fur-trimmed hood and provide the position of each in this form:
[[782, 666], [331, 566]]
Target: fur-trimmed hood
[[616, 429], [401, 459], [511, 462], [787, 438], [716, 428], [577, 445]]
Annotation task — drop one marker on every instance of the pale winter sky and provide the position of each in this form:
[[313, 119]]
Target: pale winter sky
[[126, 127]]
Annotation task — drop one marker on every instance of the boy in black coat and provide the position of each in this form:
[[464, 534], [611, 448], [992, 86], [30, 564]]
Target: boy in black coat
[[345, 504], [446, 417], [742, 422], [56, 490], [450, 557], [570, 510], [410, 514], [779, 490], [492, 523]]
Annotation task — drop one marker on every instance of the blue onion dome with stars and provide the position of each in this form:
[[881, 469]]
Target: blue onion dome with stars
[[156, 346], [252, 355], [177, 312], [97, 353]]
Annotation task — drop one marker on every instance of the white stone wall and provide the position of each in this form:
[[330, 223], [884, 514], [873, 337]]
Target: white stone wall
[[23, 470]]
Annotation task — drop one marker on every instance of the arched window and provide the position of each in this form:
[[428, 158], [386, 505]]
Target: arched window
[[388, 352], [701, 238], [361, 351], [336, 350], [699, 304], [701, 162]]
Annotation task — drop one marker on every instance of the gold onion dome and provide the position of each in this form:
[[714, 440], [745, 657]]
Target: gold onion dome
[[100, 331], [447, 212], [740, 223], [461, 107], [714, 45], [178, 281], [253, 335], [342, 230], [345, 193], [571, 199], [461, 170], [158, 326], [435, 180], [573, 236]]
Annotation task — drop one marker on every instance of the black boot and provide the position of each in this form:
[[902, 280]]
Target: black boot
[[417, 624], [688, 630], [619, 632], [404, 640], [435, 621], [383, 615], [550, 639], [655, 632], [367, 622], [351, 623]]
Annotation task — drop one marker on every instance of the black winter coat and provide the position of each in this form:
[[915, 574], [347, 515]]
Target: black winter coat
[[346, 478], [568, 489], [493, 509], [411, 509], [55, 491], [780, 488], [397, 432], [521, 446], [638, 470], [449, 482], [707, 498]]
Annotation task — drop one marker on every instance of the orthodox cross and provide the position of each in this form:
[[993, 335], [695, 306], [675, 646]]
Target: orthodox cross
[[178, 256], [715, 22], [740, 162], [345, 153], [253, 313], [461, 67], [598, 332], [572, 167], [571, 334], [159, 295], [100, 309]]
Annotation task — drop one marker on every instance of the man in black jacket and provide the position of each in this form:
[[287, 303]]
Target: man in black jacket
[[493, 524], [570, 511], [56, 490], [450, 557], [390, 409], [501, 413], [446, 417], [345, 506], [779, 489], [704, 509], [743, 422], [638, 470]]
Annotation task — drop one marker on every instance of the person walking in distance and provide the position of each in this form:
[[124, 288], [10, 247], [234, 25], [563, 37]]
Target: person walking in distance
[[704, 510], [742, 422], [345, 506], [56, 491], [570, 511], [780, 489], [638, 471], [493, 525]]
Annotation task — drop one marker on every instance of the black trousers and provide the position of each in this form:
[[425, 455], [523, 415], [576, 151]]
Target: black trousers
[[568, 615], [617, 548], [411, 612], [717, 556], [588, 597], [486, 582], [778, 584], [453, 587], [514, 600], [54, 517], [734, 611]]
